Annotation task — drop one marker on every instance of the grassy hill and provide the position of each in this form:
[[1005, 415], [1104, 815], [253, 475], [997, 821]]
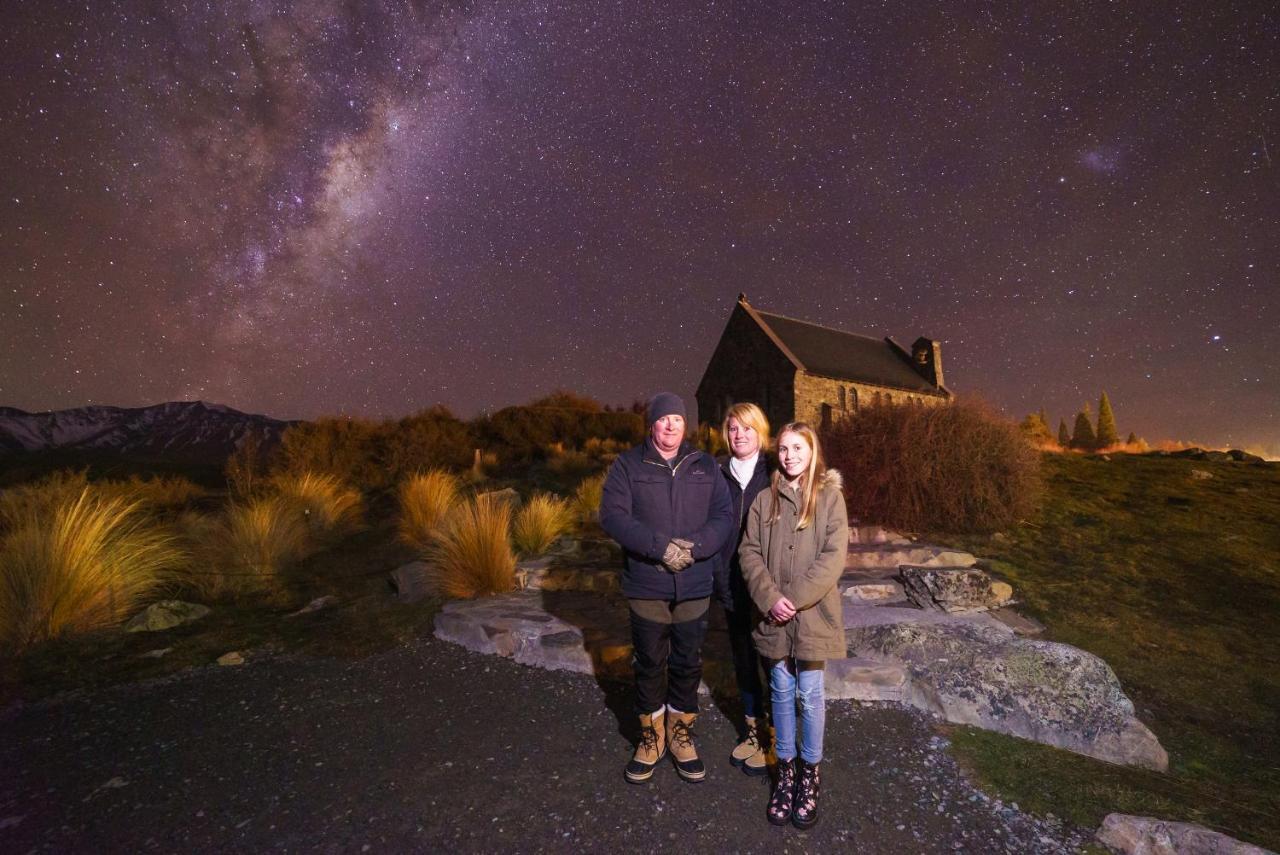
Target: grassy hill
[[1168, 569]]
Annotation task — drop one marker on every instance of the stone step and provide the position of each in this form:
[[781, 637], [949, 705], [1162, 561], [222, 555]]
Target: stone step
[[921, 555], [859, 590], [872, 534]]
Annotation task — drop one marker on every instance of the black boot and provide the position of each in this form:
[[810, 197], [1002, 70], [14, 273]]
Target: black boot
[[805, 814], [784, 793]]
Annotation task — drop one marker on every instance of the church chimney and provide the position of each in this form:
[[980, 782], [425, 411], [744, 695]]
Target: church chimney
[[926, 355]]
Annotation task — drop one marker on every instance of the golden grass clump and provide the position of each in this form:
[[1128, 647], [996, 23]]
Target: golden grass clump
[[586, 499], [330, 508], [76, 565], [425, 500], [471, 555], [254, 543], [542, 519]]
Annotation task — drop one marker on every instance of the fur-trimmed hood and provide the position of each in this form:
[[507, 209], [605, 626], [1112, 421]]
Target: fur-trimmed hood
[[833, 478]]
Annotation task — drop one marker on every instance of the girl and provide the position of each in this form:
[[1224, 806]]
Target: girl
[[792, 555]]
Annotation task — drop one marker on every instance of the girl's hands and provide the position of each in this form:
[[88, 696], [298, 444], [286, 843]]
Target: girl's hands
[[782, 611]]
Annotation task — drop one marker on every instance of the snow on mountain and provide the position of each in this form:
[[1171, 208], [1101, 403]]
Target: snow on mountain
[[191, 430]]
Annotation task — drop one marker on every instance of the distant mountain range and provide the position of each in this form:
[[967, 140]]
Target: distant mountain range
[[189, 431]]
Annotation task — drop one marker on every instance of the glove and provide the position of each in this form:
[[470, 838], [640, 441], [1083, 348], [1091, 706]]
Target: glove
[[678, 555]]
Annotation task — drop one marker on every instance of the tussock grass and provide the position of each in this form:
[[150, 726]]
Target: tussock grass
[[586, 499], [542, 519], [330, 508], [471, 555], [73, 565], [425, 500], [249, 548]]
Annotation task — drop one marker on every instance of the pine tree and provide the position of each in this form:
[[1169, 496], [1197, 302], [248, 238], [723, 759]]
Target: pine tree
[[1084, 438], [1064, 436], [1132, 440], [1035, 429], [1107, 433]]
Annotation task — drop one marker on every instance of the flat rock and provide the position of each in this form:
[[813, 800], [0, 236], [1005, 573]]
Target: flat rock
[[953, 589], [1142, 835], [164, 615], [861, 679], [411, 581], [315, 605], [976, 674], [232, 658]]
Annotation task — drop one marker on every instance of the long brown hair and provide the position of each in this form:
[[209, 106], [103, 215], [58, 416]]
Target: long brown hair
[[810, 481]]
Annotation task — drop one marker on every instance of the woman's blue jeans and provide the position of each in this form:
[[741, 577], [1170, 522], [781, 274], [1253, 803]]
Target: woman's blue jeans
[[787, 690]]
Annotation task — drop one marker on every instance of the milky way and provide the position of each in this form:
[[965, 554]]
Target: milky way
[[369, 208]]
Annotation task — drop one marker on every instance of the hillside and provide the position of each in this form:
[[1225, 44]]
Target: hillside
[[1168, 569]]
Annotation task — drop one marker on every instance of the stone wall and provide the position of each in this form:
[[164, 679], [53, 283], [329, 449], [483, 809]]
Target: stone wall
[[812, 391], [746, 366]]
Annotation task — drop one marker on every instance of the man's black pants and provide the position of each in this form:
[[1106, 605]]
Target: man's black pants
[[666, 640]]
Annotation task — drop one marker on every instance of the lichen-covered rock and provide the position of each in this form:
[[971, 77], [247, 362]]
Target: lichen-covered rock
[[953, 589], [1142, 835], [164, 615], [1052, 693]]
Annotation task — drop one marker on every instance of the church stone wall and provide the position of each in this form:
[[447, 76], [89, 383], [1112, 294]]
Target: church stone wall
[[813, 391], [746, 366]]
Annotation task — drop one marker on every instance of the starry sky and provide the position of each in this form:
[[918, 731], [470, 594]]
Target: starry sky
[[349, 206]]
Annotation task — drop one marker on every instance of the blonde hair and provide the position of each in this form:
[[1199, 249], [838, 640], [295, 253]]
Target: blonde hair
[[810, 480], [750, 415]]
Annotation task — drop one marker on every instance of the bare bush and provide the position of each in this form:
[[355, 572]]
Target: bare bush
[[956, 468]]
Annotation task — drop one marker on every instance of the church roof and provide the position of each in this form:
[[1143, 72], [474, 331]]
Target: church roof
[[844, 355]]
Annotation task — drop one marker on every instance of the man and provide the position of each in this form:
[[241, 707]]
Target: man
[[667, 505]]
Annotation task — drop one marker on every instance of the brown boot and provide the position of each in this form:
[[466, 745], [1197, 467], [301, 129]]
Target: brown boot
[[682, 747], [651, 748], [750, 755]]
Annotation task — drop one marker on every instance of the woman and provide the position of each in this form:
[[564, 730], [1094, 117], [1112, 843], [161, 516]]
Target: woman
[[792, 555], [746, 470]]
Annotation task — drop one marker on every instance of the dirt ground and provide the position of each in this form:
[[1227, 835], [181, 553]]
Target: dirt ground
[[428, 747]]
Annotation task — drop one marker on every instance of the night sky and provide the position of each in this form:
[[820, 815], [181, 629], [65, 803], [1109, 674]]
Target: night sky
[[372, 207]]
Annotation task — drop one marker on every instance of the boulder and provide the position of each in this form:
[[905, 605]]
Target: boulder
[[1142, 835], [315, 605], [232, 658], [164, 615], [1200, 475], [862, 556], [507, 494], [412, 581], [874, 592], [975, 673], [1244, 456], [953, 589]]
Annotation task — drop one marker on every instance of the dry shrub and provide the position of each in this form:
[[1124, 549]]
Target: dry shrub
[[248, 549], [425, 500], [71, 565], [471, 555], [542, 519], [162, 492], [330, 508], [586, 499], [956, 468], [42, 497]]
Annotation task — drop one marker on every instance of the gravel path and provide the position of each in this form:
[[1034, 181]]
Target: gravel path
[[429, 747]]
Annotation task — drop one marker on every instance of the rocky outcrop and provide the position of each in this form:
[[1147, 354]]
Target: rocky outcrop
[[982, 674], [164, 615], [953, 589], [1141, 835]]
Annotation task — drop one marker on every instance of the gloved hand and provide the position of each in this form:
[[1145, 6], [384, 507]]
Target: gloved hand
[[678, 556]]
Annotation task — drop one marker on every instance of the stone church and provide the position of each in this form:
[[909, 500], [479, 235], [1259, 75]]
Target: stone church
[[799, 371]]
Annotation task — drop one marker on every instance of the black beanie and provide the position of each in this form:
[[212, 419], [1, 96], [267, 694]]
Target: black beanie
[[663, 404]]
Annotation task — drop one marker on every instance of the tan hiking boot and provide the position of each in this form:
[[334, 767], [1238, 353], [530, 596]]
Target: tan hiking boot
[[750, 755], [651, 748], [682, 747]]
